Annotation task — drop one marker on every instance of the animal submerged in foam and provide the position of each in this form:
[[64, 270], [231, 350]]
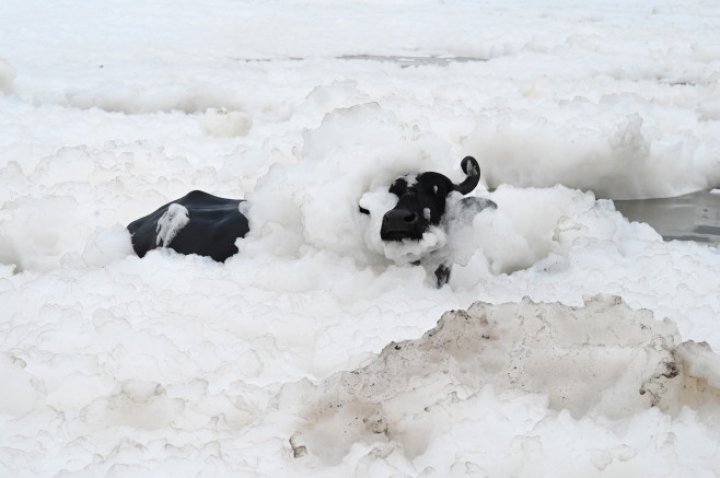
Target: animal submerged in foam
[[207, 225], [197, 223], [421, 208]]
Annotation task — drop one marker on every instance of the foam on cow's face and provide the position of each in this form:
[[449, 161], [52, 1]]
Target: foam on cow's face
[[377, 202], [406, 220], [413, 251]]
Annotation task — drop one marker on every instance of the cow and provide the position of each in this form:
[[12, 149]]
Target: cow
[[421, 205], [207, 225], [197, 223]]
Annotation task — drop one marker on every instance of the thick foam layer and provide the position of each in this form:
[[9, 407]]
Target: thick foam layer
[[603, 363], [179, 366]]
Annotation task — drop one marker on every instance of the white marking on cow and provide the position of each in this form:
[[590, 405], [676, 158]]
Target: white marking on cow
[[426, 213], [175, 218]]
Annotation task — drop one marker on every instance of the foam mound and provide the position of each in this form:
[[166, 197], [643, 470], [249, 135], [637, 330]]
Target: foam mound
[[603, 362]]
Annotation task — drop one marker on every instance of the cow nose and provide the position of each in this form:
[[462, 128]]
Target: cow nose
[[400, 224], [399, 218], [410, 218]]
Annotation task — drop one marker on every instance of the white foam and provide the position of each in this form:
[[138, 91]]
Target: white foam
[[601, 363], [109, 244], [353, 151], [7, 75], [24, 393], [176, 365], [170, 223], [407, 252], [585, 146], [223, 124]]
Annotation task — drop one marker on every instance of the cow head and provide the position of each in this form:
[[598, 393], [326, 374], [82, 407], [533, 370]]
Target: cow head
[[421, 201]]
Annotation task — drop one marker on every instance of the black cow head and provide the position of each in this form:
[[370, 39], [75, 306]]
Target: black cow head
[[421, 201]]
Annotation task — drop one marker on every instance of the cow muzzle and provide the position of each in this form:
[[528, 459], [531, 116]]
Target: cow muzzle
[[401, 224]]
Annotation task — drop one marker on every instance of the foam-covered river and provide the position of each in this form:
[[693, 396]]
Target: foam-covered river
[[589, 350]]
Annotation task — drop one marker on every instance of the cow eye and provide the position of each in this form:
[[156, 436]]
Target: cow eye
[[363, 210]]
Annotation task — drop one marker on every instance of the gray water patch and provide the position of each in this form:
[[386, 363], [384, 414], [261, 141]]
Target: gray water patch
[[692, 217], [404, 61], [407, 61]]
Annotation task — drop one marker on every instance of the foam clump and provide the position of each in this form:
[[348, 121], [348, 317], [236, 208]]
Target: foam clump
[[152, 97], [582, 144], [352, 158], [222, 123], [20, 393], [170, 223], [107, 244], [602, 361], [517, 234], [7, 76], [35, 234], [354, 150]]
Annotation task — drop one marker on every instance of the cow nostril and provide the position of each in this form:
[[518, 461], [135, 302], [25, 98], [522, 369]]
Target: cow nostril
[[410, 218]]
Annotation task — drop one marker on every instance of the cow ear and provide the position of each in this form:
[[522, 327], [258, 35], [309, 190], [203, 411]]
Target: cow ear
[[363, 210], [399, 187], [470, 167]]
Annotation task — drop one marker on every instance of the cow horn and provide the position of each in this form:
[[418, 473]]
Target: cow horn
[[470, 167]]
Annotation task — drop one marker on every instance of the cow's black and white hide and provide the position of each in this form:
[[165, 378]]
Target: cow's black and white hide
[[197, 223], [413, 221]]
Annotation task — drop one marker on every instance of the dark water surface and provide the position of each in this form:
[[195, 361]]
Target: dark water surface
[[693, 217]]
